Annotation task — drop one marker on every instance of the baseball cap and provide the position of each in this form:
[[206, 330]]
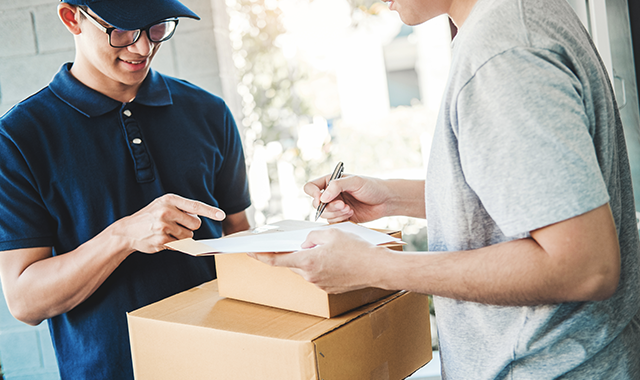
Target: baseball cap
[[135, 14]]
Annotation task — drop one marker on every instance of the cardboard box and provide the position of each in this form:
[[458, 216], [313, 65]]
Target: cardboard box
[[246, 279], [198, 334], [243, 278]]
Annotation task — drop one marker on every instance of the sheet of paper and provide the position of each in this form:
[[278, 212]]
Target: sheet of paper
[[271, 239]]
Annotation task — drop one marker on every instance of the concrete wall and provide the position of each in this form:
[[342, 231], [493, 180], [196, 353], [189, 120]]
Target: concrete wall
[[33, 46]]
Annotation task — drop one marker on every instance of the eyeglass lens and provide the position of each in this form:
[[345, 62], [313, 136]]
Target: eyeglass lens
[[156, 33]]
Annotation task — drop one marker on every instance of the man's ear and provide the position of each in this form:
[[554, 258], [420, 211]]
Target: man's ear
[[69, 16]]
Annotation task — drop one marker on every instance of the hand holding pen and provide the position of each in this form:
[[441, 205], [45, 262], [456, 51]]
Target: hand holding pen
[[361, 199], [337, 173]]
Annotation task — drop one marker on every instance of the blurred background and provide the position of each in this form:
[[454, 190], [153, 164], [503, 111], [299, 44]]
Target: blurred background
[[334, 80]]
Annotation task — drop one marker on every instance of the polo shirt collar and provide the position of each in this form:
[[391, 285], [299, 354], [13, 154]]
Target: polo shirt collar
[[153, 92]]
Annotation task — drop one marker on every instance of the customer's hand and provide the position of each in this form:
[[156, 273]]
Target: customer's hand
[[334, 260], [355, 198]]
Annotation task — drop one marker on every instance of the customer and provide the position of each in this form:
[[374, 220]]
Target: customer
[[534, 258], [98, 171]]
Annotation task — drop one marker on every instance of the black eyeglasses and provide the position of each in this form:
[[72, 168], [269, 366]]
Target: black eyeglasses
[[119, 38]]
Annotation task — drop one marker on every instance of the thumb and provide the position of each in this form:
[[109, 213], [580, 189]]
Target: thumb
[[318, 237], [338, 186], [290, 259]]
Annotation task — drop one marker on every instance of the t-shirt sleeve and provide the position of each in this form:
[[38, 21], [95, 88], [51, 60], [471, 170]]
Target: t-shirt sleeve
[[525, 143], [232, 190], [24, 220]]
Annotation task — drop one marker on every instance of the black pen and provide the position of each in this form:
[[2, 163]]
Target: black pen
[[337, 172]]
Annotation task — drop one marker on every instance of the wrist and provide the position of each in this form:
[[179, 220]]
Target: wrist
[[381, 268], [407, 198], [115, 239]]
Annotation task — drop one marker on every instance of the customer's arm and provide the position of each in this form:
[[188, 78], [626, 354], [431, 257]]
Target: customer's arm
[[38, 285], [574, 260]]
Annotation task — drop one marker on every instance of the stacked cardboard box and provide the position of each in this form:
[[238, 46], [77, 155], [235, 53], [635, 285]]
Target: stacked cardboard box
[[289, 329], [243, 278]]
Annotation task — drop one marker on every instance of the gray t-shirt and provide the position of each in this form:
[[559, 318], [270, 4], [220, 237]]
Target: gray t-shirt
[[529, 135]]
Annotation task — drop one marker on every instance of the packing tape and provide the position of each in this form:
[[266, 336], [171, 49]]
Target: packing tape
[[381, 372], [379, 322]]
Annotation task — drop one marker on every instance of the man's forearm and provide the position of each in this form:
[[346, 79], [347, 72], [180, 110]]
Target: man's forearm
[[408, 198], [38, 286], [574, 260], [514, 273], [54, 285]]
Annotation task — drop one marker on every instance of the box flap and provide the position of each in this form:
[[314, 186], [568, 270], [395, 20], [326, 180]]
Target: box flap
[[165, 350], [204, 307]]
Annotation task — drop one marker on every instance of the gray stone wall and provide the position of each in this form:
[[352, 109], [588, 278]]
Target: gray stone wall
[[33, 46]]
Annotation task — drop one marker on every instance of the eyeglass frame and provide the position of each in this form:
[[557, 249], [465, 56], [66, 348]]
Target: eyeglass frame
[[108, 31]]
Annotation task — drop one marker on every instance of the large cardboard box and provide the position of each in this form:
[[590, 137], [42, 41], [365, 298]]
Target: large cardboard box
[[198, 334]]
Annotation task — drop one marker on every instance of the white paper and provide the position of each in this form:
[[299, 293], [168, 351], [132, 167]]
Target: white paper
[[270, 239]]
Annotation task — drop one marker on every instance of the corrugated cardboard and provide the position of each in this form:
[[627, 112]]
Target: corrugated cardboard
[[198, 334], [243, 278]]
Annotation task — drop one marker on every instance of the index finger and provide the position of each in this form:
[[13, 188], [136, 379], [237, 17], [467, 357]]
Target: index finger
[[191, 206]]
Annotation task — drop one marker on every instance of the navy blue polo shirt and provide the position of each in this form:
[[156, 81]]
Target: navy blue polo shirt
[[73, 161]]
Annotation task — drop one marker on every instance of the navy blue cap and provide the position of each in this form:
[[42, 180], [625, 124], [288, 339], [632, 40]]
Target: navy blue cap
[[135, 14]]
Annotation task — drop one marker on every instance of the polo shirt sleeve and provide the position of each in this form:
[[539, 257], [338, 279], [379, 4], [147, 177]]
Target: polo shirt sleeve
[[24, 220], [232, 189], [525, 143]]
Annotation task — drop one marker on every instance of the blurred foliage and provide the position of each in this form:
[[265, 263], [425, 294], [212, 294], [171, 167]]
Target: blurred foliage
[[277, 100], [269, 82], [272, 108]]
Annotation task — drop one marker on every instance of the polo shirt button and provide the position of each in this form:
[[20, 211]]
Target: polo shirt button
[[127, 113], [137, 141]]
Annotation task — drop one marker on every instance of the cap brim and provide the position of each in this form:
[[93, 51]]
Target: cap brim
[[129, 15]]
